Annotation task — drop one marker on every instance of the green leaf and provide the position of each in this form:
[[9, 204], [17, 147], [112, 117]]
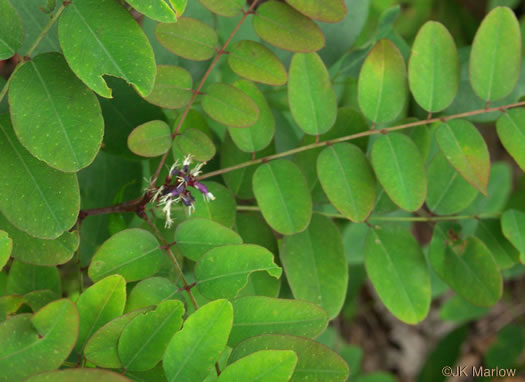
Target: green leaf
[[433, 69], [223, 271], [47, 201], [41, 252], [315, 362], [282, 26], [192, 352], [145, 339], [227, 8], [188, 38], [150, 292], [123, 113], [99, 304], [259, 135], [195, 143], [33, 344], [328, 11], [506, 349], [196, 236], [348, 180], [511, 132], [6, 247], [229, 106], [448, 192], [24, 278], [160, 10], [37, 299], [172, 89], [495, 58], [221, 210], [398, 271], [9, 305], [133, 253], [112, 44], [466, 150], [254, 230], [315, 265], [263, 366], [459, 310], [489, 231], [466, 265], [255, 62], [151, 139], [400, 170], [256, 315], [84, 375], [513, 227], [283, 196], [46, 119], [382, 87], [11, 31], [312, 98], [102, 347]]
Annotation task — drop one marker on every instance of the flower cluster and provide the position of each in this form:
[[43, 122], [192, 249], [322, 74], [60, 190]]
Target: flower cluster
[[175, 189]]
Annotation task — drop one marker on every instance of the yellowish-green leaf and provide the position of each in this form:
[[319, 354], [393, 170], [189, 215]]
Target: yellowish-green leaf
[[382, 86], [38, 343], [196, 143], [99, 37], [283, 196], [6, 246], [84, 375], [328, 11], [282, 26], [433, 69], [226, 8], [229, 106], [513, 227], [348, 180], [151, 139], [255, 62], [495, 58], [399, 168], [312, 99], [188, 38], [172, 89], [262, 366], [466, 150], [511, 132]]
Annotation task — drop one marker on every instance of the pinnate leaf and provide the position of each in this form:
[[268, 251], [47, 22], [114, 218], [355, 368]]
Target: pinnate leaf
[[312, 99], [328, 11], [133, 253], [255, 62], [188, 38], [46, 202], [495, 57], [283, 196], [112, 44], [223, 271], [192, 351], [11, 30], [282, 26], [397, 269], [38, 343], [466, 150], [263, 366], [399, 168], [151, 139], [315, 265], [433, 69], [382, 86], [164, 11], [256, 315], [511, 132], [172, 89]]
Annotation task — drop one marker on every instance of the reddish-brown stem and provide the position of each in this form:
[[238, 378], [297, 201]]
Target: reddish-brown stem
[[356, 136], [197, 91]]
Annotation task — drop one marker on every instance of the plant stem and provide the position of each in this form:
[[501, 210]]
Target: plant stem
[[358, 135], [196, 92], [46, 29], [167, 247], [391, 218]]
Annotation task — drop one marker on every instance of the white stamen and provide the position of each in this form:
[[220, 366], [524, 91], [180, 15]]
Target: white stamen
[[208, 197], [187, 160], [197, 169]]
